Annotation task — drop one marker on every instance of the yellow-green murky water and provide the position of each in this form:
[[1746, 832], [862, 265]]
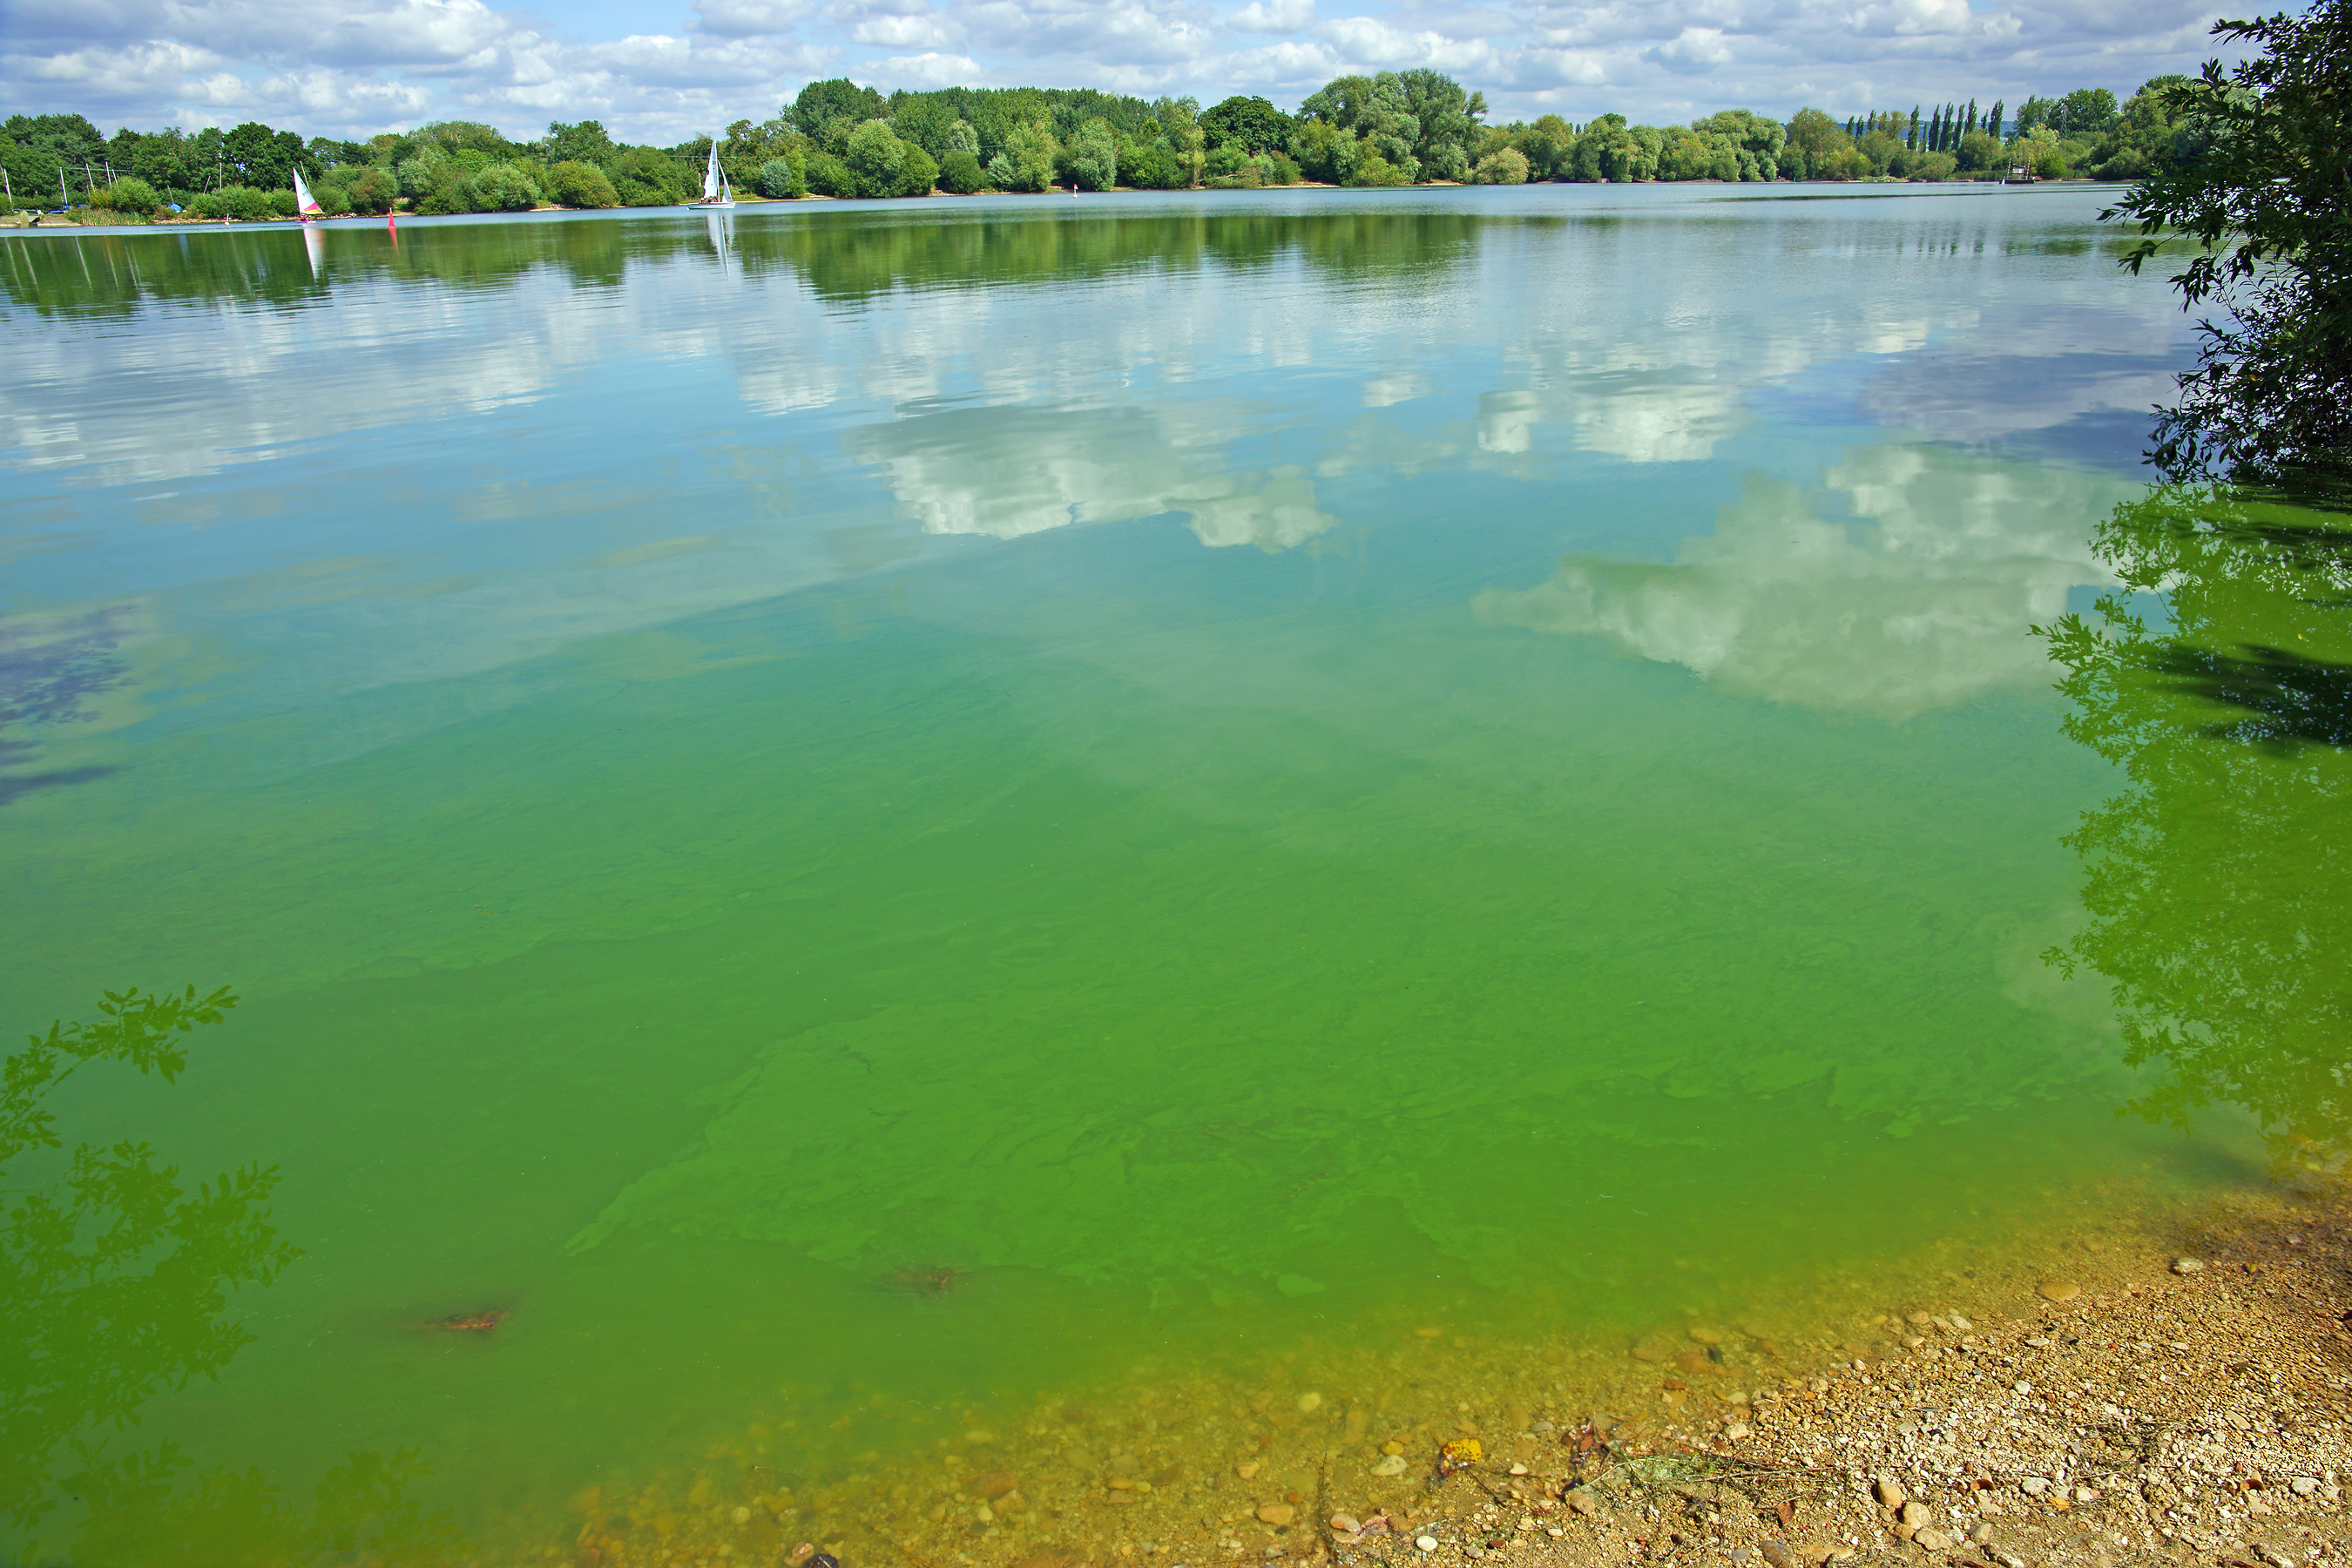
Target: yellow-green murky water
[[863, 817]]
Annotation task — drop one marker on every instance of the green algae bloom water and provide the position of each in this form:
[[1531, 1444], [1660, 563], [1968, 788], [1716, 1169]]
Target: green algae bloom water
[[836, 822]]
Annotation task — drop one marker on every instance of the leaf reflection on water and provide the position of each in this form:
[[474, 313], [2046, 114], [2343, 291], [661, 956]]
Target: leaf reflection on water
[[118, 1287], [2215, 880]]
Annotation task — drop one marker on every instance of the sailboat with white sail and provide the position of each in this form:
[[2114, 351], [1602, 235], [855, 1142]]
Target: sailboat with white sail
[[306, 205], [716, 194]]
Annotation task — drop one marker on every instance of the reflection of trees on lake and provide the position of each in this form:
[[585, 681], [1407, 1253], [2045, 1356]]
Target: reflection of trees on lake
[[843, 254], [2215, 882], [117, 1286]]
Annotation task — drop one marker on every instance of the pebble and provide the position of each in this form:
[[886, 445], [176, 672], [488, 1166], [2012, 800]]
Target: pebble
[[2033, 1486], [1247, 1471], [1736, 1430], [990, 1487], [1579, 1501], [2303, 1486], [1889, 1492], [2058, 1289], [1392, 1465], [1275, 1513], [2188, 1265], [1935, 1541], [1427, 1543], [1915, 1514], [1308, 1403], [1345, 1523]]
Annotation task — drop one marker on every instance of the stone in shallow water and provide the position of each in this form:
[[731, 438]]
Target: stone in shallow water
[[2058, 1289]]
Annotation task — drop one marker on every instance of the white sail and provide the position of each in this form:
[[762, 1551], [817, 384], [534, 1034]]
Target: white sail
[[710, 175], [304, 202]]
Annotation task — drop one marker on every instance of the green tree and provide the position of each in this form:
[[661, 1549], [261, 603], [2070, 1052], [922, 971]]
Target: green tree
[[582, 143], [373, 191], [1179, 120], [1504, 166], [130, 195], [267, 159], [1445, 117], [1325, 151], [1548, 145], [876, 159], [1817, 136], [1092, 156], [2261, 191], [1252, 123], [1231, 168], [1153, 166], [1756, 134], [573, 183], [1378, 111], [821, 104], [1026, 163], [782, 179], [918, 174], [2146, 134], [960, 172], [2086, 111], [641, 177]]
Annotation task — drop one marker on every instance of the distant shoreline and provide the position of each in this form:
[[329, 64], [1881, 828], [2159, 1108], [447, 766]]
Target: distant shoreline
[[1817, 190]]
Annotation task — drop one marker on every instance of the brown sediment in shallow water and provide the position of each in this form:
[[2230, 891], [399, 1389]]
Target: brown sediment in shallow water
[[2170, 1386]]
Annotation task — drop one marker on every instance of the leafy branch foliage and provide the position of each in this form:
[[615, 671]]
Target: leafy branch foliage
[[2261, 181]]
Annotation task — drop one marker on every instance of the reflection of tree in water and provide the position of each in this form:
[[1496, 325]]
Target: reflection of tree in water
[[2217, 882], [48, 671], [118, 1279], [846, 255]]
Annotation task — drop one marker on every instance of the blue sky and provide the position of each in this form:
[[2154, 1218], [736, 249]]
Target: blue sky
[[663, 70]]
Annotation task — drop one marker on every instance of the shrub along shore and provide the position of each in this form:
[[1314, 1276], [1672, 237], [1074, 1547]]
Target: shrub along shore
[[837, 138]]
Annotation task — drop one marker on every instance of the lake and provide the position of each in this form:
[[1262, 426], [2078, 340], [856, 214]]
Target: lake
[[899, 827]]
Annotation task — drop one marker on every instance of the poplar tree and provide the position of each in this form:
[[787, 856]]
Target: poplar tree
[[1912, 141], [1993, 121]]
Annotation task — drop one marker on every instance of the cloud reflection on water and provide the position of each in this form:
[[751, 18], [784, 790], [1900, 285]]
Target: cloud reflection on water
[[1921, 600], [498, 414]]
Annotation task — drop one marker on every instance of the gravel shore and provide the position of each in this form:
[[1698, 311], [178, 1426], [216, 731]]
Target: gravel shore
[[2185, 1406]]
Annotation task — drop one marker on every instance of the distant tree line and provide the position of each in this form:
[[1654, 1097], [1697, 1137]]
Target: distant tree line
[[838, 138]]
